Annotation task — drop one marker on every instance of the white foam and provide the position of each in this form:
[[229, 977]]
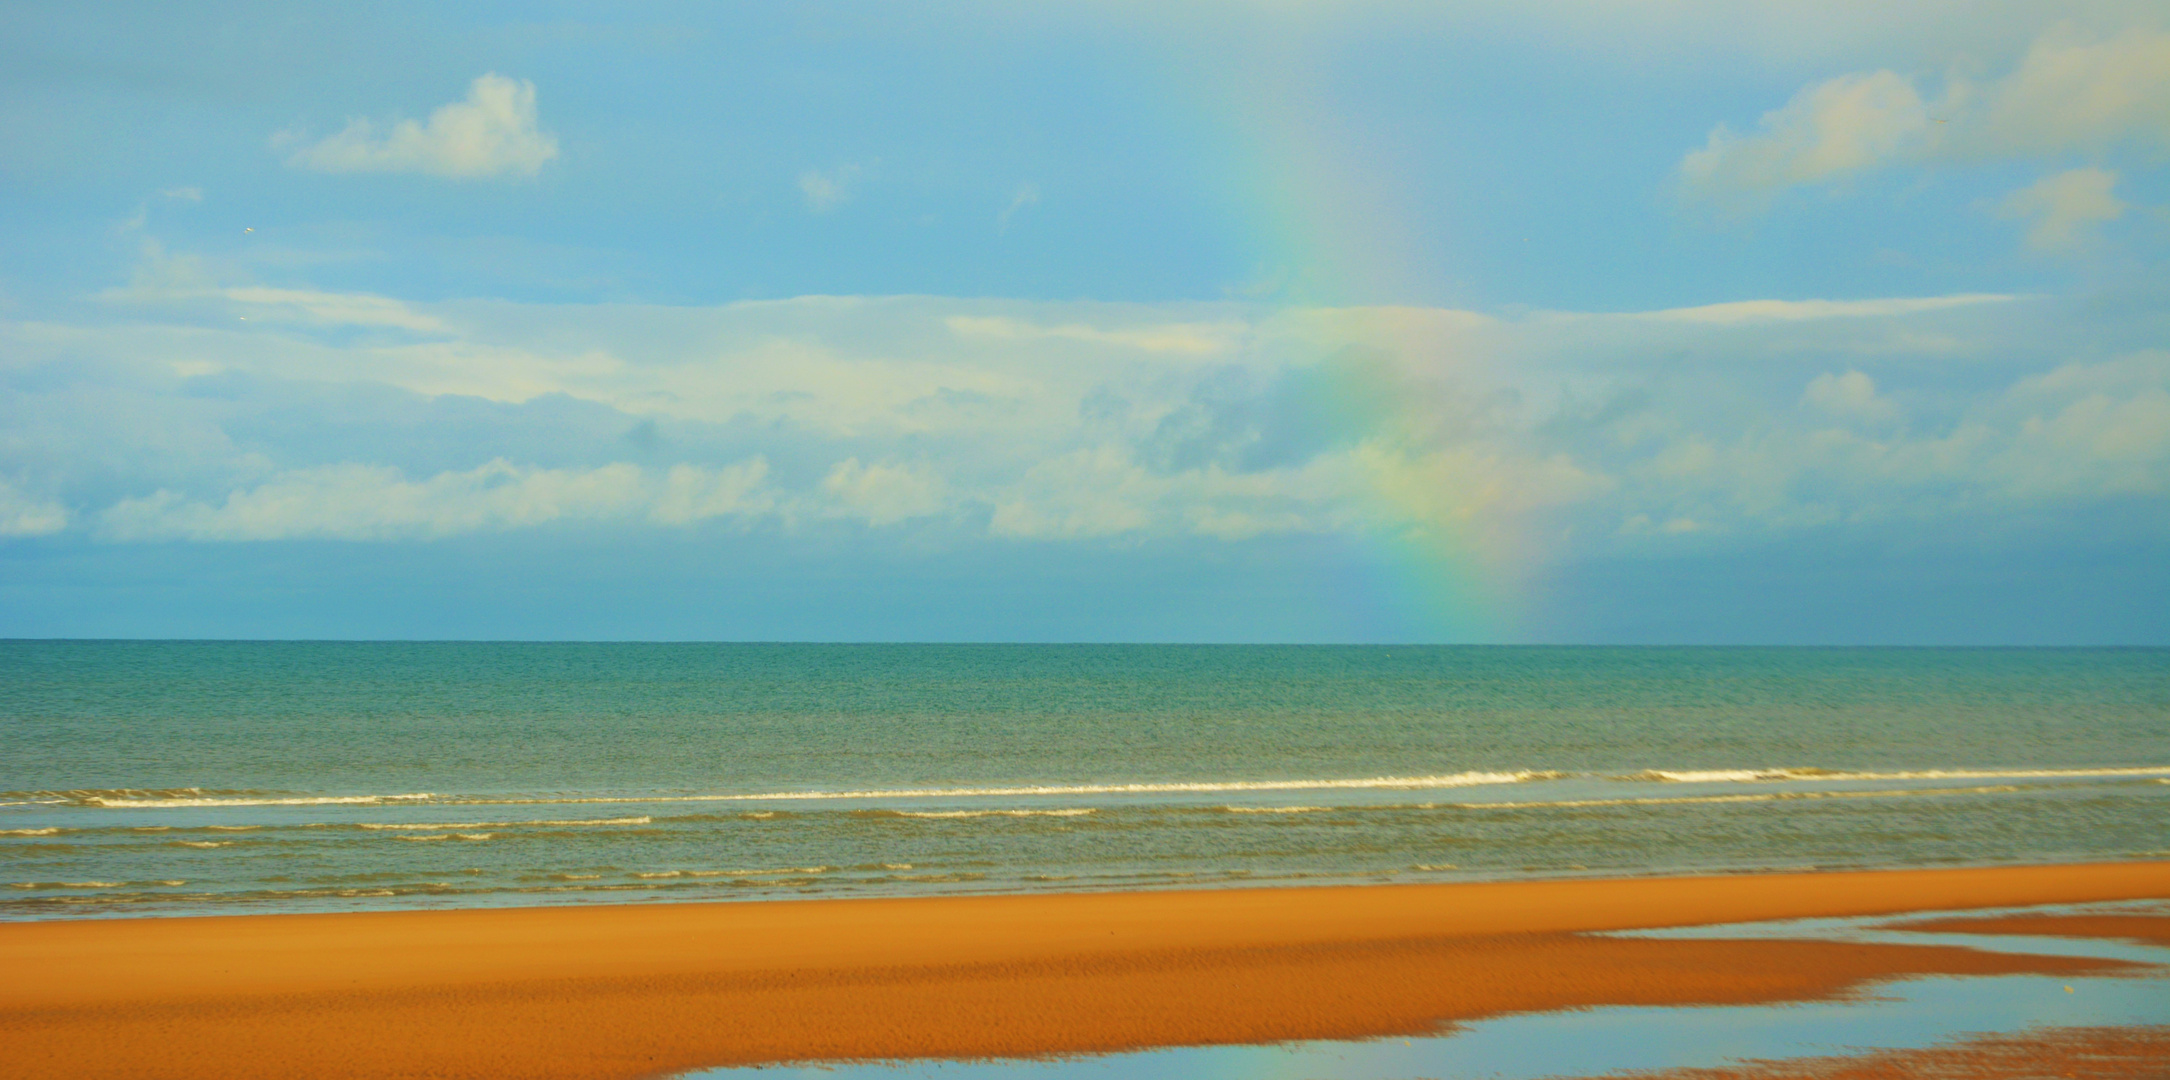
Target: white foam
[[1389, 783], [49, 831], [790, 870], [1275, 809], [124, 803], [1994, 774], [1768, 796], [1078, 812], [1713, 776], [449, 826], [447, 836], [1710, 776], [205, 843]]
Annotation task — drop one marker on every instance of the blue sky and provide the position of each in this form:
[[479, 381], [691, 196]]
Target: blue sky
[[1602, 321]]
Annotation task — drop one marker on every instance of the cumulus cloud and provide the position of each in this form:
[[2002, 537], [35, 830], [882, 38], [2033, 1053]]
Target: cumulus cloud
[[1842, 126], [2064, 210], [2070, 92], [1518, 440], [884, 493], [492, 133], [23, 515], [1851, 395]]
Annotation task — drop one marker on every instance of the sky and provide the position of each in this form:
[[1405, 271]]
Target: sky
[[1598, 321]]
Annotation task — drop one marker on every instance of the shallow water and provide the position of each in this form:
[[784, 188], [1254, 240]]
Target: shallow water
[[1907, 1014], [185, 778]]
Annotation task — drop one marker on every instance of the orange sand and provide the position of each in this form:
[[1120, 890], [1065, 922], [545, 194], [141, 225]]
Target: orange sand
[[631, 991], [2076, 1053]]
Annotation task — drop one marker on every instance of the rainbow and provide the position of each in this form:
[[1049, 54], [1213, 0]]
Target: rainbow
[[1450, 553]]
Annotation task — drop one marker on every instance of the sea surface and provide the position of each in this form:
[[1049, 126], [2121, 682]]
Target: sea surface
[[141, 778]]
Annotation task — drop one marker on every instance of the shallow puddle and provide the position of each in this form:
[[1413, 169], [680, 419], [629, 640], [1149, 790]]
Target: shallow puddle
[[1906, 1014]]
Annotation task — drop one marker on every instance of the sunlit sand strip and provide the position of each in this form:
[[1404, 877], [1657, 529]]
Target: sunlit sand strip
[[631, 991]]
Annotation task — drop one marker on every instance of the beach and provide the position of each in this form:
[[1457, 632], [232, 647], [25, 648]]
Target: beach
[[647, 990]]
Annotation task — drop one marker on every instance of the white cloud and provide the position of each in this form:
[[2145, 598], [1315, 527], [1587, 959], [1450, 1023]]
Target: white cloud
[[331, 309], [24, 515], [1197, 339], [884, 494], [374, 502], [691, 493], [824, 192], [1845, 125], [2071, 92], [2064, 210], [1071, 422], [492, 133], [1750, 311], [1851, 395]]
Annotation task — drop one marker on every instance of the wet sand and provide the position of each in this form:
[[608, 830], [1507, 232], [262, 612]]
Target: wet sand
[[630, 991]]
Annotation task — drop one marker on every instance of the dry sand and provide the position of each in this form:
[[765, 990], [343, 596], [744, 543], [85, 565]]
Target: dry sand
[[629, 991]]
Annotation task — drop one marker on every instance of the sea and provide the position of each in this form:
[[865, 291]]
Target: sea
[[191, 778]]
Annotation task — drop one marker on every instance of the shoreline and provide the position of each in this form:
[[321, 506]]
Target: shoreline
[[645, 990]]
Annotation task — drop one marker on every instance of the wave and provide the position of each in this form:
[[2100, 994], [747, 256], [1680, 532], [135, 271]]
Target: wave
[[452, 826], [1706, 776], [448, 836], [210, 798], [48, 831], [1171, 787], [53, 795], [204, 843], [1768, 796], [130, 803], [1275, 809], [658, 875], [1178, 787], [1074, 812]]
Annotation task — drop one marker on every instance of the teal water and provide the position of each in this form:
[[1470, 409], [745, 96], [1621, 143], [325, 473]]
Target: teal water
[[183, 778]]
